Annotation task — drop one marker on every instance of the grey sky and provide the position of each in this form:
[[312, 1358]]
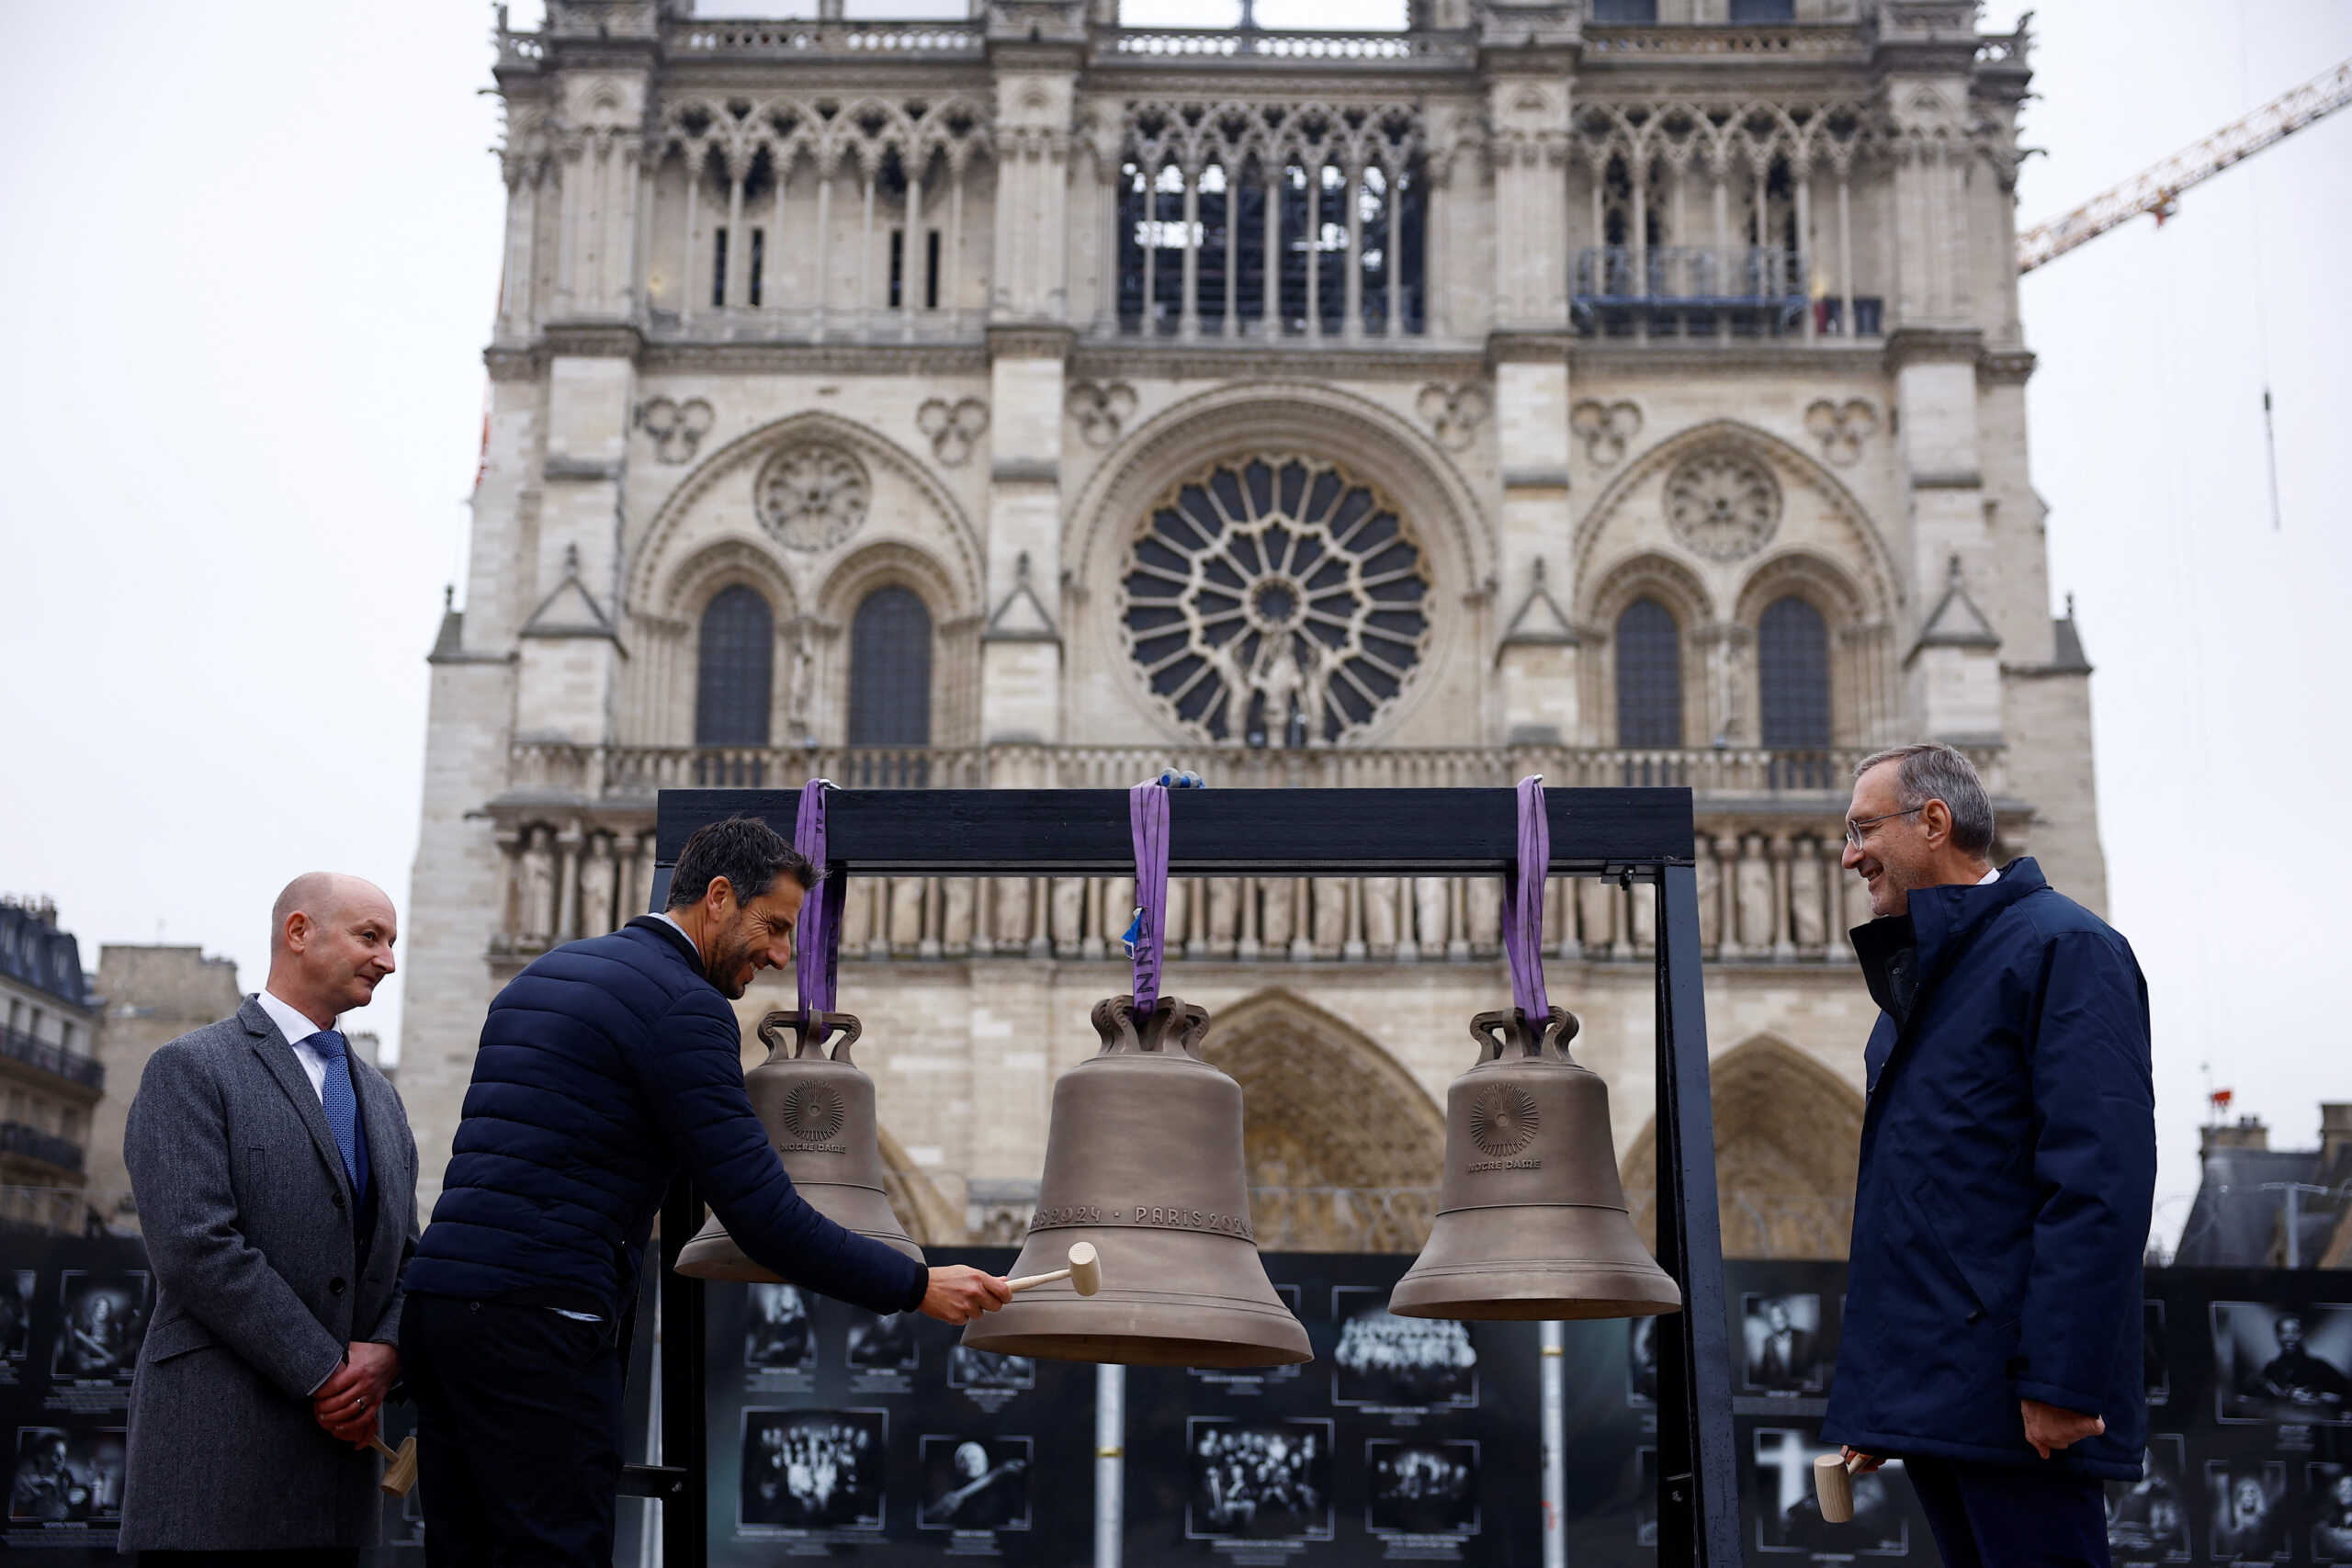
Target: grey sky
[[252, 254]]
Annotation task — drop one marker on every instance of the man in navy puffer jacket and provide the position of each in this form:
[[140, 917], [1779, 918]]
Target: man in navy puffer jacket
[[2009, 1162], [604, 1067]]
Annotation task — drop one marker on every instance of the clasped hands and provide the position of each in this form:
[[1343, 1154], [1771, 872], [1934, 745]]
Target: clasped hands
[[348, 1404], [2048, 1428]]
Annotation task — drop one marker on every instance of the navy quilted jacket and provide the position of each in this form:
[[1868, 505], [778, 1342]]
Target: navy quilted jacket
[[2008, 1164], [605, 1066]]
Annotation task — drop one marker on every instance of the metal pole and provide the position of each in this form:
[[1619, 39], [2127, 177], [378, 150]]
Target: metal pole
[[2294, 1248], [1556, 1455], [1110, 1463]]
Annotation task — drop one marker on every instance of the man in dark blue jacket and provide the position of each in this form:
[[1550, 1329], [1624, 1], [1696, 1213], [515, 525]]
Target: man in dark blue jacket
[[1992, 1316], [604, 1067]]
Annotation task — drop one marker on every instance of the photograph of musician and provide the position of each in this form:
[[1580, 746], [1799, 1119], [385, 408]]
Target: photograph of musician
[[2144, 1516], [1422, 1487], [1261, 1480], [2331, 1487], [2299, 1377], [968, 1368], [778, 1338], [2244, 1508], [1782, 1353], [974, 1484], [883, 1342], [814, 1470], [1407, 1362], [103, 1323], [60, 1480], [2282, 1363]]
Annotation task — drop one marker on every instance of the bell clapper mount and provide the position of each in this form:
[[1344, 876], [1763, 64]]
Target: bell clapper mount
[[1084, 1273]]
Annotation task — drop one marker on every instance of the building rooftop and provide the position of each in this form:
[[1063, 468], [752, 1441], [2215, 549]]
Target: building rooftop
[[33, 951], [2241, 1215]]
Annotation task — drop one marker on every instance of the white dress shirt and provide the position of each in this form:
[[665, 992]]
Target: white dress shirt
[[1990, 876], [298, 1030]]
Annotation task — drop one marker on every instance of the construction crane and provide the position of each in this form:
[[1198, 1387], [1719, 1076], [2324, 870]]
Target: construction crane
[[2155, 190]]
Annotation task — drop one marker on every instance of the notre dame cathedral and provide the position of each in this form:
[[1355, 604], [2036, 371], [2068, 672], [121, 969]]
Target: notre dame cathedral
[[1630, 391]]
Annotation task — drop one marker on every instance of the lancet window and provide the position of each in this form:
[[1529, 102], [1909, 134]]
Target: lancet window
[[1649, 676], [889, 669], [735, 670], [1272, 220], [1792, 675]]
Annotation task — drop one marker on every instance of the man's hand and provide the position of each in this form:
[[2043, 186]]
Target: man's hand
[[1860, 1463], [959, 1295], [2050, 1428], [346, 1404]]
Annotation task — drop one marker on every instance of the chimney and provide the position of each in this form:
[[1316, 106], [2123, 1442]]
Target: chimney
[[2249, 1134], [2335, 1133]]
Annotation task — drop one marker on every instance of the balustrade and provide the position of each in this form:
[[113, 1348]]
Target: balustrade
[[31, 1143], [18, 1046]]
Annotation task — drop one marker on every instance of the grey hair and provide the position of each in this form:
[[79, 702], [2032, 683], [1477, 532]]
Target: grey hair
[[1933, 771]]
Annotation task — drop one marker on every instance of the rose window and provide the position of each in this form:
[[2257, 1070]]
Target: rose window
[[1722, 505], [1275, 601], [811, 497]]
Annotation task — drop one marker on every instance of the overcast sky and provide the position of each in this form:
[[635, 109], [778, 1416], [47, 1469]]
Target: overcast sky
[[251, 252]]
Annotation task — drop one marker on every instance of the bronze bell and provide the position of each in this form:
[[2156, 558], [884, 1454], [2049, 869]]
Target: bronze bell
[[1531, 1220], [820, 1114], [1143, 1159]]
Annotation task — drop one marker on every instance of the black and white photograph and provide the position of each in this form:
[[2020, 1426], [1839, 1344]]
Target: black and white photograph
[[1783, 1340], [1641, 1362], [882, 1344], [1788, 1514], [970, 1368], [1259, 1480], [2329, 1490], [66, 1478], [1399, 1362], [16, 1286], [102, 1320], [2156, 1353], [779, 1338], [1422, 1487], [974, 1483], [2246, 1511], [2281, 1363], [813, 1470], [2147, 1519]]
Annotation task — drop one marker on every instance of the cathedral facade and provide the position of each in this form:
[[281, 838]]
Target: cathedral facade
[[1630, 391]]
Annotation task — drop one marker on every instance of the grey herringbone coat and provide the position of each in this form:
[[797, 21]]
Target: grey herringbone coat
[[246, 1211]]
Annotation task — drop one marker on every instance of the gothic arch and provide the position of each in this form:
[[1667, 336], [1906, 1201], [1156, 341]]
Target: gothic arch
[[1787, 1138], [1365, 439], [881, 564], [919, 1204], [735, 460], [1654, 575], [1872, 564], [1331, 1172], [722, 563], [1819, 580]]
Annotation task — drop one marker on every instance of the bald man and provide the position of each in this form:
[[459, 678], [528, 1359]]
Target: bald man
[[275, 1180]]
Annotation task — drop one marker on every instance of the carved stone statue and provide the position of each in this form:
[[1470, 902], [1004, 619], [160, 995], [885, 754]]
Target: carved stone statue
[[1224, 915], [955, 925], [1070, 916], [1380, 915], [1430, 913], [1487, 914], [1711, 894], [1811, 925], [1755, 889], [597, 887], [906, 913], [1276, 894], [536, 911], [1330, 916], [1010, 927], [1118, 913], [1596, 901]]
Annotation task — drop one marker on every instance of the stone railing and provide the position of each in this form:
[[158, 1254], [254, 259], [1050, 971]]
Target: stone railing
[[1781, 41], [18, 1046], [813, 40], [871, 325], [31, 1143], [1236, 45]]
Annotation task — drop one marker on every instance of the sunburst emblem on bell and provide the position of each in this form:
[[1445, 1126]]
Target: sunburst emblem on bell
[[1143, 1160], [1531, 1220], [819, 1112]]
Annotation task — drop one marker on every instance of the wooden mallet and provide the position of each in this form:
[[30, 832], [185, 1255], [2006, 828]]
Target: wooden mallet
[[1833, 1483], [1084, 1273], [400, 1469]]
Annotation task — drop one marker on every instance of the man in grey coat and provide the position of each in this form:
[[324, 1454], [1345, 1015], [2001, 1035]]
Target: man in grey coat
[[276, 1178]]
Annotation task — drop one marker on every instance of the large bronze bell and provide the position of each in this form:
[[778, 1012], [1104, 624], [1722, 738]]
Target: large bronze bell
[[819, 1112], [1531, 1220], [1143, 1159]]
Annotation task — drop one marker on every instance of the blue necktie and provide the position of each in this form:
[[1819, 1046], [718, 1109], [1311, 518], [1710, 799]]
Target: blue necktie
[[342, 1108]]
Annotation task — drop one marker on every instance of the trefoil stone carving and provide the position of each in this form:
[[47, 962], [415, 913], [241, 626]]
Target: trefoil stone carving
[[1101, 409], [1841, 428], [677, 428], [812, 495], [952, 427], [1724, 506], [1454, 413], [1607, 429]]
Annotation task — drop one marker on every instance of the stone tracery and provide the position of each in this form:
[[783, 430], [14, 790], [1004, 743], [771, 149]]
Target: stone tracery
[[812, 495]]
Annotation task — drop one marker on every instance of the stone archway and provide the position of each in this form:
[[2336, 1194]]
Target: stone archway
[[919, 1205], [1788, 1137], [1343, 1147]]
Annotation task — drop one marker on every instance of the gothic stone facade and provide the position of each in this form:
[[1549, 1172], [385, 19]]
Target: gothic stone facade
[[1631, 394]]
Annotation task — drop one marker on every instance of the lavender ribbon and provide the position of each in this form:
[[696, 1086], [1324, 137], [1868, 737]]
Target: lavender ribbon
[[1524, 903], [816, 956], [1148, 820]]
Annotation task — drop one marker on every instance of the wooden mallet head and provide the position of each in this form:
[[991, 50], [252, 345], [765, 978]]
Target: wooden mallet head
[[1833, 1483], [1084, 1273], [399, 1469]]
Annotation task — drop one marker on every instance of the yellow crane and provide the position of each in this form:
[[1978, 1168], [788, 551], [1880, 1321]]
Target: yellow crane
[[2156, 188]]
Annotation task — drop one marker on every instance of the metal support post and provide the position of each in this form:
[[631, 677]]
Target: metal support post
[[1110, 1463], [1555, 1451]]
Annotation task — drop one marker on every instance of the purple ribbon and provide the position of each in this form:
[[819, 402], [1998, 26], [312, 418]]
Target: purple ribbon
[[1147, 819], [1524, 903], [816, 956]]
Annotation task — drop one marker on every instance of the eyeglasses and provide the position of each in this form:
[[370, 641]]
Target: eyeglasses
[[1854, 828]]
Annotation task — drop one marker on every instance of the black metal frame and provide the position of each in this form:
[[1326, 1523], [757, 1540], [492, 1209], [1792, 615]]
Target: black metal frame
[[1633, 835]]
